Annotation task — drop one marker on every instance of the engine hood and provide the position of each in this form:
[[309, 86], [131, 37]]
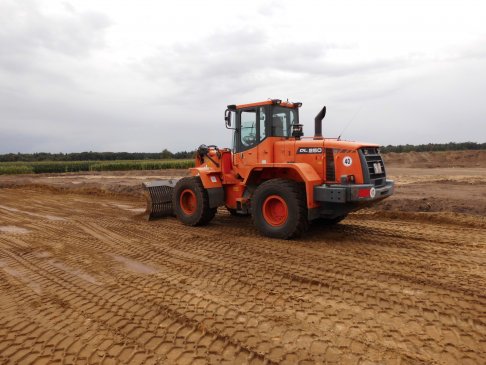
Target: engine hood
[[332, 143]]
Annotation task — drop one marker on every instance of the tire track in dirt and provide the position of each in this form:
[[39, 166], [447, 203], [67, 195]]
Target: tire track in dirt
[[245, 253], [226, 319], [118, 237], [97, 305], [117, 289]]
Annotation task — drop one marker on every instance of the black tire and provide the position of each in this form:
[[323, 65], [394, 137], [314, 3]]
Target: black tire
[[200, 213], [288, 191], [235, 213]]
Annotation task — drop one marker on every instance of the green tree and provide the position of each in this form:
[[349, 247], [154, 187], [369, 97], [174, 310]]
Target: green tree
[[166, 154]]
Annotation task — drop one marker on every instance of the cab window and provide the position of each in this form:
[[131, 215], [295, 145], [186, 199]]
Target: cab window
[[282, 118], [252, 128], [248, 128]]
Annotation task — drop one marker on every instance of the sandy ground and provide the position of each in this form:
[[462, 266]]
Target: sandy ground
[[437, 159], [85, 280], [459, 190], [116, 183]]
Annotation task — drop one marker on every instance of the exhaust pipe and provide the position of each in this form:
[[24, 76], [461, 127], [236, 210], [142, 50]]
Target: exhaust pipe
[[318, 123]]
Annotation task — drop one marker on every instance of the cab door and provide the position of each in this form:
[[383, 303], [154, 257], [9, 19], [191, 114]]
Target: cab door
[[250, 130]]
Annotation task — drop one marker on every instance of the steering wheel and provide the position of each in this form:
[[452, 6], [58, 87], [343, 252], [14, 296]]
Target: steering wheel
[[249, 139]]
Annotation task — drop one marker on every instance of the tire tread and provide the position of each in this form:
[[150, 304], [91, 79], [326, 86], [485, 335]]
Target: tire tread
[[206, 214]]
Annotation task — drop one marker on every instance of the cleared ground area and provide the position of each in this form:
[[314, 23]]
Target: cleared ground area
[[84, 279]]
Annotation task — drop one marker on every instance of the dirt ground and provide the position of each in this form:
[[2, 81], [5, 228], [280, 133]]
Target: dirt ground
[[436, 159], [84, 279]]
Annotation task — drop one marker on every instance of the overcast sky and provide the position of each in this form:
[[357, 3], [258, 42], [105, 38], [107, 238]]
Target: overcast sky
[[147, 75]]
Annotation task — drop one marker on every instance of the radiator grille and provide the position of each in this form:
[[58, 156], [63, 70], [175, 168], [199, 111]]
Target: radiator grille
[[375, 168]]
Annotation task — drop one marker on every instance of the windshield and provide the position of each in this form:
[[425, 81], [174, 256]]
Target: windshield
[[282, 119]]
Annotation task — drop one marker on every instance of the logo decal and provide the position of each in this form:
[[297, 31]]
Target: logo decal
[[347, 161], [309, 150]]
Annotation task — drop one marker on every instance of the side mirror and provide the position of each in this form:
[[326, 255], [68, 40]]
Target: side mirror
[[227, 118]]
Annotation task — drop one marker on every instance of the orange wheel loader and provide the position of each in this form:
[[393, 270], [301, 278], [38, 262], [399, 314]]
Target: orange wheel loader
[[273, 173]]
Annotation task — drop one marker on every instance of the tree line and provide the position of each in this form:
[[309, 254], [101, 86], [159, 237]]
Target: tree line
[[168, 155], [96, 156], [429, 147]]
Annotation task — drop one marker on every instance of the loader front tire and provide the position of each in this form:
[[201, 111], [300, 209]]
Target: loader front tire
[[191, 203], [279, 209]]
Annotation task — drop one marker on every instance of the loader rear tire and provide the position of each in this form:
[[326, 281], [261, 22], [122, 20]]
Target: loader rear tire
[[191, 203], [279, 209]]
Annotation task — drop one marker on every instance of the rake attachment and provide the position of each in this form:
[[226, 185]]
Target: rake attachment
[[158, 194]]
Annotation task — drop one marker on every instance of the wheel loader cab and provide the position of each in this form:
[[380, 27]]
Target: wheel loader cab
[[255, 122]]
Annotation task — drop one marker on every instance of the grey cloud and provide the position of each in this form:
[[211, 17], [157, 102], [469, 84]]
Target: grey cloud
[[54, 96], [476, 50], [270, 8], [27, 34], [52, 124], [238, 61], [39, 92]]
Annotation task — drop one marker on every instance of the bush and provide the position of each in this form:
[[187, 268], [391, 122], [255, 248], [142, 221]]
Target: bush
[[10, 169], [78, 166], [142, 165], [56, 167], [95, 156], [451, 146]]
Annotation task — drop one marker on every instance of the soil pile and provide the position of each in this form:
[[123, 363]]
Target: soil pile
[[436, 159]]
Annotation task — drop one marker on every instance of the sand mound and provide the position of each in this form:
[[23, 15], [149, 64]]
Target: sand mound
[[436, 159]]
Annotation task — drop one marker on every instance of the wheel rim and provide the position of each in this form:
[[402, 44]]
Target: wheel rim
[[188, 202], [275, 210]]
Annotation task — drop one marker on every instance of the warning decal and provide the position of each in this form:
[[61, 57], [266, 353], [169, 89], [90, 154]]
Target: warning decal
[[347, 161]]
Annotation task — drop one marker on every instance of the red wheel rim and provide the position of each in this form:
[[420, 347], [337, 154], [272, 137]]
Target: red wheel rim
[[275, 210], [188, 201]]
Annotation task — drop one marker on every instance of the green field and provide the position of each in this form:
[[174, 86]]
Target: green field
[[78, 166]]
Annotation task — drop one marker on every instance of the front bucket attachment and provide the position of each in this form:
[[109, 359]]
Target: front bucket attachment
[[159, 198]]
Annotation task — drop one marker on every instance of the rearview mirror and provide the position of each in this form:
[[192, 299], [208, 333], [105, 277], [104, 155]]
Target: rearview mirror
[[227, 118]]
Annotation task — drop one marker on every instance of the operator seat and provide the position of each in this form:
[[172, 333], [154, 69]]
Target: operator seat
[[277, 126]]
